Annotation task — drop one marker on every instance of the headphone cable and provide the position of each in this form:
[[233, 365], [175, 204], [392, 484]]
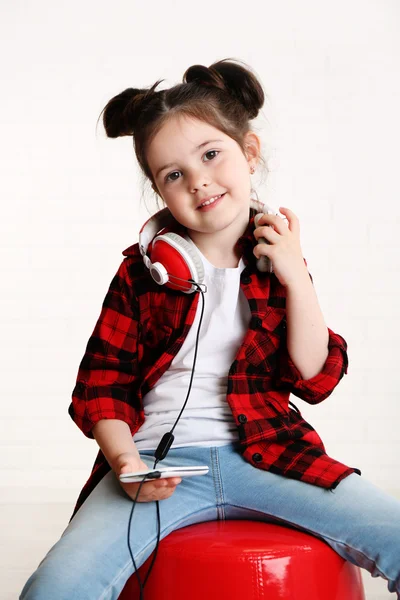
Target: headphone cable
[[160, 453]]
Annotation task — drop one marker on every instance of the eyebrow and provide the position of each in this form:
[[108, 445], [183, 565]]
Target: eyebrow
[[195, 150]]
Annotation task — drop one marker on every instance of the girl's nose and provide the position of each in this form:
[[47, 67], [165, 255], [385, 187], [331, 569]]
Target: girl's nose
[[197, 179]]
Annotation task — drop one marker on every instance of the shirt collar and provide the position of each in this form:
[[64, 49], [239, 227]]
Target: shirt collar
[[246, 242]]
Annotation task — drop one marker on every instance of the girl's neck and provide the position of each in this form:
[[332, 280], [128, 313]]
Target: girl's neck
[[219, 246], [223, 262]]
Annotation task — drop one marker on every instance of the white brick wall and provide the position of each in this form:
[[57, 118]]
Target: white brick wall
[[71, 203]]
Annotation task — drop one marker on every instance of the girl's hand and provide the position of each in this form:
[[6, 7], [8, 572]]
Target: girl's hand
[[284, 249], [157, 489]]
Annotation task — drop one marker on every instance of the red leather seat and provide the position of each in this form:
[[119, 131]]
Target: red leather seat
[[246, 560]]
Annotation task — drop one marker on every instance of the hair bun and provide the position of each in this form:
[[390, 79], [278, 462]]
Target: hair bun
[[122, 112], [230, 77], [204, 76]]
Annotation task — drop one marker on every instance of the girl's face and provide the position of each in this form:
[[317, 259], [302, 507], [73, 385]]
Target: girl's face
[[191, 161]]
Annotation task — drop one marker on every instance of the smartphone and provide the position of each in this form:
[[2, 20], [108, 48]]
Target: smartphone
[[163, 473]]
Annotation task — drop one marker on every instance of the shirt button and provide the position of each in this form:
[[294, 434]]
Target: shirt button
[[257, 457], [80, 387], [258, 322], [242, 419]]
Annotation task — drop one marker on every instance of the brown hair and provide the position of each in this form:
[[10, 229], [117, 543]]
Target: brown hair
[[226, 95]]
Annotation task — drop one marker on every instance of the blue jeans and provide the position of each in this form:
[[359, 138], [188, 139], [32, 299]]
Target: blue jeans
[[91, 560]]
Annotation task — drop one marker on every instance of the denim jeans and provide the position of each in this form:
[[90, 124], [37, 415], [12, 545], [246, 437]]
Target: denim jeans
[[92, 561]]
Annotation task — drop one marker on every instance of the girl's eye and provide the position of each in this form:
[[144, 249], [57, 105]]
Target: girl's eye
[[168, 180], [210, 151]]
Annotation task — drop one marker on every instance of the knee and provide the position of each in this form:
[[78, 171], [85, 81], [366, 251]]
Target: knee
[[47, 584]]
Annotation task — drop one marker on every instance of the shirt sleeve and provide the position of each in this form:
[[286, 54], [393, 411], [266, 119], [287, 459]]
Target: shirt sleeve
[[319, 387], [108, 373]]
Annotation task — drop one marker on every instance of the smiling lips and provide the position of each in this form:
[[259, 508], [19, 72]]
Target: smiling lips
[[210, 202]]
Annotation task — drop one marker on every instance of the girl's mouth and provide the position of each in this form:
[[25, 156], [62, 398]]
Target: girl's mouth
[[210, 206]]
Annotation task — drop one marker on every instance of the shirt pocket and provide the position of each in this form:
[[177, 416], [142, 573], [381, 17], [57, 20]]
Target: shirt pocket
[[269, 333], [155, 335]]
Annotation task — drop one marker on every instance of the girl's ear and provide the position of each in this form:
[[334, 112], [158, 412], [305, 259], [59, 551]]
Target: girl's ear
[[252, 146]]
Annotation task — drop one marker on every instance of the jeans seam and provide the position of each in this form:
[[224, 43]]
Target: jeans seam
[[217, 483]]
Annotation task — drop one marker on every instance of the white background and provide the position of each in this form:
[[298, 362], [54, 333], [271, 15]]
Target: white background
[[71, 201]]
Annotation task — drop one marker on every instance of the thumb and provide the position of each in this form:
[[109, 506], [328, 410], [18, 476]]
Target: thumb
[[125, 468]]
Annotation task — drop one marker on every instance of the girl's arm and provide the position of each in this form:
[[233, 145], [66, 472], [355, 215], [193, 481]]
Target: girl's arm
[[108, 374], [114, 438], [312, 358], [307, 333]]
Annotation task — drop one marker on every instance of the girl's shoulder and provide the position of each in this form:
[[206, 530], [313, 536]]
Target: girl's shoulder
[[135, 273], [133, 265], [132, 251]]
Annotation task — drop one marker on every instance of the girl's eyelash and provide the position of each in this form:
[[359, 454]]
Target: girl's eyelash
[[167, 177]]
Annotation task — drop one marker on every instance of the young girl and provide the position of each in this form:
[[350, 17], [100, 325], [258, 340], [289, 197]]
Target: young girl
[[262, 337]]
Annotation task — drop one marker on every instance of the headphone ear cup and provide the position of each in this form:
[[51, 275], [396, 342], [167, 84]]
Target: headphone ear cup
[[177, 258]]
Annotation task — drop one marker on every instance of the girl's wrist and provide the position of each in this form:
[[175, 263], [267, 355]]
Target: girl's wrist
[[128, 458]]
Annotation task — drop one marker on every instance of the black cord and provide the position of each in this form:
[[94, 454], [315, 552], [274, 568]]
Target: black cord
[[160, 453], [129, 545]]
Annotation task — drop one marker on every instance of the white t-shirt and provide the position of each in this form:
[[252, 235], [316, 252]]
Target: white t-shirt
[[207, 419]]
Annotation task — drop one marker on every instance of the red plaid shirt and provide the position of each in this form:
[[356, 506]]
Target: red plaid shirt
[[141, 327]]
